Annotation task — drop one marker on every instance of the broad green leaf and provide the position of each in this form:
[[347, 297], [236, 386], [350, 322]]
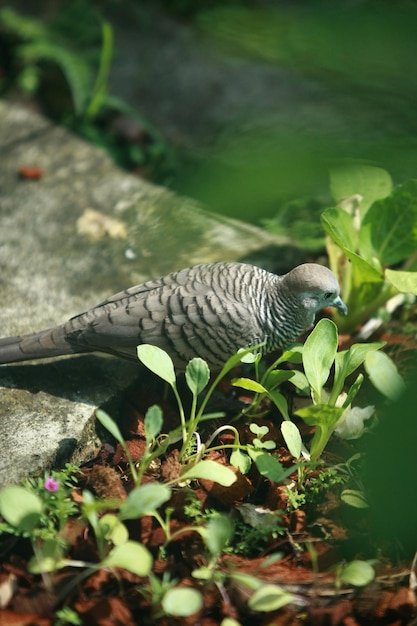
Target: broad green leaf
[[292, 438], [20, 507], [358, 573], [158, 361], [197, 375], [210, 470], [324, 418], [292, 354], [113, 529], [383, 374], [153, 422], [280, 402], [248, 384], [347, 361], [406, 282], [145, 499], [338, 224], [318, 355], [268, 465], [391, 224], [219, 531], [132, 556], [371, 182], [269, 598], [110, 425], [182, 601], [241, 461], [300, 381], [320, 415], [276, 378], [354, 498]]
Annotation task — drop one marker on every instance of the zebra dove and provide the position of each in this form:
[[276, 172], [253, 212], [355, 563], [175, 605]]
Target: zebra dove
[[208, 310]]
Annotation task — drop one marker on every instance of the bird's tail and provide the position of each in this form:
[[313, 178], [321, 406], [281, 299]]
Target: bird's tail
[[46, 343]]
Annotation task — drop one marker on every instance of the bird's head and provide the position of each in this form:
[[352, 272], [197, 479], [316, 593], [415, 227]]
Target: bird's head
[[315, 286]]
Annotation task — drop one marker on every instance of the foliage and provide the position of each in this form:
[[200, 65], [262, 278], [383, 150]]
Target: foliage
[[66, 64], [372, 230]]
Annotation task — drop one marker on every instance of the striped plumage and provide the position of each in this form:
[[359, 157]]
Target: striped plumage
[[208, 310]]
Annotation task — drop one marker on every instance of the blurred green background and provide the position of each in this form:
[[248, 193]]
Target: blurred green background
[[241, 104]]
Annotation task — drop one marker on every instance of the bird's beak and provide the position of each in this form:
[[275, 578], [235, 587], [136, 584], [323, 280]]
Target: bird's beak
[[339, 304]]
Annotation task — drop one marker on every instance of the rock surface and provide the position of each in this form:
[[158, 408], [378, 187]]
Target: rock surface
[[83, 230]]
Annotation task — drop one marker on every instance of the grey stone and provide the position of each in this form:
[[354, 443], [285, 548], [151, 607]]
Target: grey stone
[[83, 231]]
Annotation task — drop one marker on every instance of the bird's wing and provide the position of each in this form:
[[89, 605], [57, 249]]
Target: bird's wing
[[185, 321]]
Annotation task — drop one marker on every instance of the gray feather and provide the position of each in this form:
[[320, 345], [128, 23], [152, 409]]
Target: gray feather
[[208, 310]]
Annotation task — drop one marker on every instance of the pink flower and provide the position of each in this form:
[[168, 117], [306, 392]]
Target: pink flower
[[51, 484]]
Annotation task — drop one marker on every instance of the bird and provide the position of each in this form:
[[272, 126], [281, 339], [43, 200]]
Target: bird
[[209, 311]]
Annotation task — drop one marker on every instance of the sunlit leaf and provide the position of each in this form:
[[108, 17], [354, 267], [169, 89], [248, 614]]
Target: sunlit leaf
[[384, 375], [319, 353], [132, 556], [153, 422], [248, 384], [182, 601], [197, 375], [372, 183], [406, 282], [210, 470], [144, 499], [292, 438], [219, 531], [358, 573], [269, 597], [158, 361], [20, 507]]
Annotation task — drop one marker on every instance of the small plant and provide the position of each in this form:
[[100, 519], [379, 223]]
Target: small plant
[[371, 231]]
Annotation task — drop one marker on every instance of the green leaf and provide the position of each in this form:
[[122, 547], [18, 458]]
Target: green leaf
[[358, 573], [338, 224], [182, 601], [132, 556], [210, 470], [113, 529], [241, 461], [197, 375], [371, 182], [48, 558], [268, 465], [269, 598], [153, 422], [145, 499], [248, 384], [219, 531], [276, 378], [354, 498], [110, 425], [280, 402], [20, 507], [320, 415], [347, 361], [406, 282], [292, 438], [384, 375], [259, 431], [158, 361], [318, 355], [391, 224]]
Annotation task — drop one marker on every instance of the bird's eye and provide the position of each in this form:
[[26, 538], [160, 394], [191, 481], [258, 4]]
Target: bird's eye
[[328, 295]]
